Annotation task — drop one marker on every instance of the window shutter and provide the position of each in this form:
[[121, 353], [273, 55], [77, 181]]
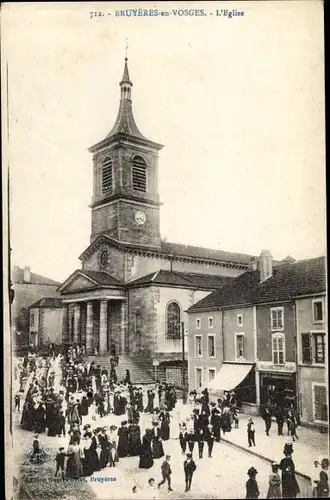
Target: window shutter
[[320, 403], [306, 348]]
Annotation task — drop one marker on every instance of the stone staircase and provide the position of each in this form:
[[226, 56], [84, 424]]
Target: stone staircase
[[140, 368]]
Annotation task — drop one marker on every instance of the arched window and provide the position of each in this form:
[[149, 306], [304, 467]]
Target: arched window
[[107, 176], [139, 174], [137, 323], [173, 325]]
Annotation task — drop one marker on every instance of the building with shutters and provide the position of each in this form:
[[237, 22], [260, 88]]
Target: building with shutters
[[264, 335], [312, 367], [133, 287]]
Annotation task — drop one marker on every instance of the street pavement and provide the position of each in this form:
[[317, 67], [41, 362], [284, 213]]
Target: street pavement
[[222, 476]]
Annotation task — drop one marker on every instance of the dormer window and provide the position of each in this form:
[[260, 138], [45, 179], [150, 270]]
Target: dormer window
[[107, 177], [139, 174]]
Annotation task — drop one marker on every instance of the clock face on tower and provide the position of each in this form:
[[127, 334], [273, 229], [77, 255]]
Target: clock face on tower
[[104, 258], [140, 218]]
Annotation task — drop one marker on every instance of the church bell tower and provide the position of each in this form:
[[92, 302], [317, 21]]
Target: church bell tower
[[125, 202]]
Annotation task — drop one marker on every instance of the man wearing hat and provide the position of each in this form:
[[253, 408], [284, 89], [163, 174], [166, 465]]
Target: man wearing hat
[[189, 468], [252, 490]]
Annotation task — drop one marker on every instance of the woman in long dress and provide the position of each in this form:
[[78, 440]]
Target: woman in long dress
[[290, 487], [74, 466], [164, 425], [134, 439], [123, 440], [146, 458], [87, 455], [157, 445], [112, 438], [274, 490]]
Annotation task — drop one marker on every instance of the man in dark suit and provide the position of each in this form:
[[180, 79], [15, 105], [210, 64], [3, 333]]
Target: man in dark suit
[[267, 417], [166, 472], [189, 468]]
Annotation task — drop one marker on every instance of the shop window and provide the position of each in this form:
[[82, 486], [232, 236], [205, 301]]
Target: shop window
[[211, 374], [313, 347], [211, 346], [277, 318], [240, 346], [278, 347], [199, 377], [198, 346], [173, 321], [318, 316], [320, 404]]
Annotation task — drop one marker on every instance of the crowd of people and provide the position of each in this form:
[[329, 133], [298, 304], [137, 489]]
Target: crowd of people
[[64, 395]]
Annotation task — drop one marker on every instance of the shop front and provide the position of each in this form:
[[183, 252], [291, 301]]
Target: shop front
[[278, 389]]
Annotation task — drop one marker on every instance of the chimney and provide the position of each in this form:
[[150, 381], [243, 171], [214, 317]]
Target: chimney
[[266, 265], [253, 265], [27, 274]]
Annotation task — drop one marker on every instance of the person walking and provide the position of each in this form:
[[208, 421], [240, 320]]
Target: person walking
[[290, 488], [252, 489], [166, 472], [200, 440], [323, 484], [209, 438], [183, 437], [274, 490], [251, 433], [267, 417], [189, 468], [279, 415]]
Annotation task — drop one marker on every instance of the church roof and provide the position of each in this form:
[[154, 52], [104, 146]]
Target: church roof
[[301, 278], [101, 278], [205, 253], [186, 280], [50, 302]]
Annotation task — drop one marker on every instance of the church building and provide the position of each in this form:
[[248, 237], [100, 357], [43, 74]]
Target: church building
[[133, 288]]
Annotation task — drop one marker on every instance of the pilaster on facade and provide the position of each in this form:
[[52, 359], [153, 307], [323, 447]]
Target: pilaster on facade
[[76, 325], [89, 328], [103, 341], [124, 337]]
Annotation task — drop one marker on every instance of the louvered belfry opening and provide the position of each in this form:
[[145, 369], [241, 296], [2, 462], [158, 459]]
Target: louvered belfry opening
[[107, 176], [139, 174]]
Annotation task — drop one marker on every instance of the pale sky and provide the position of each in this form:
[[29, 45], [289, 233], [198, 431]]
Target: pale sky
[[238, 104]]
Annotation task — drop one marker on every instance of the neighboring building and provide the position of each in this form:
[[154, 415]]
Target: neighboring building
[[28, 287], [134, 287], [45, 322], [254, 322], [312, 373]]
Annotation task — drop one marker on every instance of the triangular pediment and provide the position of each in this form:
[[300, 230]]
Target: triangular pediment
[[78, 281]]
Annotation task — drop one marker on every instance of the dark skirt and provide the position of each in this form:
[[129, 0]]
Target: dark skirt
[[165, 430], [146, 459], [157, 448]]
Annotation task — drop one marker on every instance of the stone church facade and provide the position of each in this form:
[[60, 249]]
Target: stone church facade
[[133, 288]]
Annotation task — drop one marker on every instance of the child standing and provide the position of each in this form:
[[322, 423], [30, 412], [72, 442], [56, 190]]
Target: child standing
[[315, 478], [60, 457], [274, 490], [251, 433], [189, 468], [252, 490]]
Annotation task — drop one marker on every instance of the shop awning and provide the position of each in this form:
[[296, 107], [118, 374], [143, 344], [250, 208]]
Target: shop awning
[[229, 377]]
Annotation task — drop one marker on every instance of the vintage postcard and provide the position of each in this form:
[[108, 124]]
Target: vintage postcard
[[165, 315]]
